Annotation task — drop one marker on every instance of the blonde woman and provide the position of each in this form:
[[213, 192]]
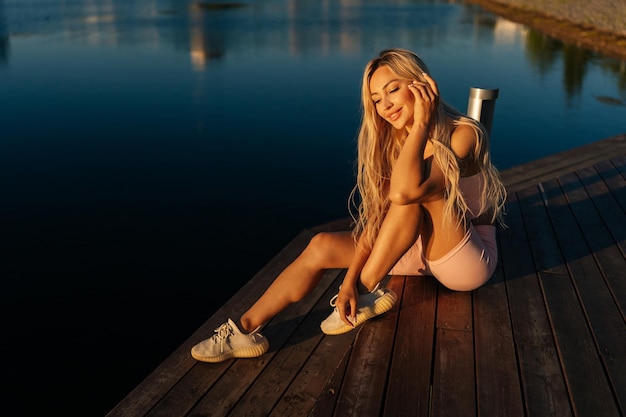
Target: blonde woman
[[428, 201]]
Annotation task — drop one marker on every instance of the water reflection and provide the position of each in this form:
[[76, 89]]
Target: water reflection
[[209, 30], [310, 27], [4, 36], [544, 52]]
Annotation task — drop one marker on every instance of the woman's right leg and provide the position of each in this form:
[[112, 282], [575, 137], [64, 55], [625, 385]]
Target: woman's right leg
[[399, 231], [326, 250]]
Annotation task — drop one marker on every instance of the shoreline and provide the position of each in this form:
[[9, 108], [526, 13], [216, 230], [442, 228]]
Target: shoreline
[[595, 39]]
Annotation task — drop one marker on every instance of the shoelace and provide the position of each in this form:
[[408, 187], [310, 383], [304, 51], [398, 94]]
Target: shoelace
[[221, 333], [333, 301]]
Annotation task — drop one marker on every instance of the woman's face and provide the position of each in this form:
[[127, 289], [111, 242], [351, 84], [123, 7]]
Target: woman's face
[[392, 97]]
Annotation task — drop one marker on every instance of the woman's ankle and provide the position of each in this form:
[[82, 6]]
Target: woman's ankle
[[246, 325], [364, 289]]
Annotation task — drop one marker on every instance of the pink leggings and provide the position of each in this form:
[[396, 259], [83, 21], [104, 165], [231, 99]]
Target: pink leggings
[[466, 267]]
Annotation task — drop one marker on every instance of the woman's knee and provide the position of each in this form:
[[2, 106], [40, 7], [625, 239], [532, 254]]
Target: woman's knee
[[328, 250], [409, 215]]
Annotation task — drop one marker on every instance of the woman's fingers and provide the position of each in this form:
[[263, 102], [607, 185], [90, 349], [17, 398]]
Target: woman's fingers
[[347, 310], [423, 91], [432, 83], [344, 312], [426, 98], [352, 317]]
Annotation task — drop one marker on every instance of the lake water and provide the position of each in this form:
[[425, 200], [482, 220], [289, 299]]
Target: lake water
[[154, 155]]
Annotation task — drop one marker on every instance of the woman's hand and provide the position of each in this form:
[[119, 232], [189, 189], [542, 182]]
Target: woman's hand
[[426, 96], [346, 303], [412, 179]]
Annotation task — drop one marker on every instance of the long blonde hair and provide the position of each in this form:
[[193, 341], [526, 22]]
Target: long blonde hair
[[379, 145]]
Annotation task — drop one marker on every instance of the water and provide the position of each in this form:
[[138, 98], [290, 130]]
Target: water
[[154, 155]]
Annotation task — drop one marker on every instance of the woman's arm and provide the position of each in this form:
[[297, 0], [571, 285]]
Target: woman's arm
[[347, 298], [411, 179]]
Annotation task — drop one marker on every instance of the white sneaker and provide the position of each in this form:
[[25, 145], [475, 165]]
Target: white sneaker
[[229, 342], [369, 305]]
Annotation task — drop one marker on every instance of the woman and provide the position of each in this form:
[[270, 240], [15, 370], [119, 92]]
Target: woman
[[429, 200]]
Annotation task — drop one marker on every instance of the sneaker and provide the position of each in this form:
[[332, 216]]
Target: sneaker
[[369, 305], [229, 342]]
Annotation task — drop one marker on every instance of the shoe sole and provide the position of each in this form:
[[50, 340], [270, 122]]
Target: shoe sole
[[249, 352], [383, 305]]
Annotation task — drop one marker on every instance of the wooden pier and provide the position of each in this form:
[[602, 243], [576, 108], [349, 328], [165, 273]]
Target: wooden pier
[[546, 336]]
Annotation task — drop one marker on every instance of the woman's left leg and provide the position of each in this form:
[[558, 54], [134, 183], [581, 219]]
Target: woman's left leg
[[399, 231]]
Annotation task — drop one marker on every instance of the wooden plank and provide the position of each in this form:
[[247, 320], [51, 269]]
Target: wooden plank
[[315, 377], [552, 166], [181, 398], [610, 210], [363, 389], [497, 380], [454, 310], [314, 380], [602, 311], [454, 380], [409, 387], [612, 213], [229, 386], [156, 386], [223, 383], [610, 257], [619, 161], [326, 402], [588, 388], [286, 366], [454, 391], [543, 384], [222, 398], [458, 355], [613, 173]]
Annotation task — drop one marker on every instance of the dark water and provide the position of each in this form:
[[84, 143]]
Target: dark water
[[154, 155]]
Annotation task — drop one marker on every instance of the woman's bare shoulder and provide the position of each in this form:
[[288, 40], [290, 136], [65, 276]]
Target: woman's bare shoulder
[[463, 141]]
